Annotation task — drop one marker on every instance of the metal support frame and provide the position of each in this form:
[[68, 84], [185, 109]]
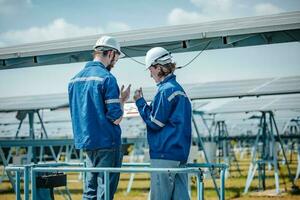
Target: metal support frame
[[32, 135], [5, 163], [268, 153], [200, 143], [31, 151], [46, 135], [224, 146], [31, 143], [296, 130], [2, 156]]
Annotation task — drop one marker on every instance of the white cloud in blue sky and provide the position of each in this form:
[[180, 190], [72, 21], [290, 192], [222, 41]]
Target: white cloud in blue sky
[[8, 7], [216, 5], [220, 9], [267, 9], [57, 29]]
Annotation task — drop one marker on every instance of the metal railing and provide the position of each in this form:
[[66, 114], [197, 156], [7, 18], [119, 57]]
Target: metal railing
[[30, 173]]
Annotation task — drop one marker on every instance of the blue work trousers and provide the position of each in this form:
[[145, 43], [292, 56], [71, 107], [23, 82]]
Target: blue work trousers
[[93, 187], [168, 186]]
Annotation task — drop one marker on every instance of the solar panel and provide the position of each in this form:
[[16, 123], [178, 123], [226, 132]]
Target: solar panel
[[210, 90], [8, 118], [52, 101], [222, 89], [285, 103], [258, 30], [56, 115], [242, 105], [233, 117], [280, 85], [289, 102], [236, 88]]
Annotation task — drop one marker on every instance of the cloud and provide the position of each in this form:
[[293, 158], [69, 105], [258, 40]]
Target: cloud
[[180, 16], [116, 26], [213, 6], [209, 10], [10, 6], [266, 9], [58, 29]]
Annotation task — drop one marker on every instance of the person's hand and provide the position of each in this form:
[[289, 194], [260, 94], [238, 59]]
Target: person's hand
[[125, 93], [138, 94]]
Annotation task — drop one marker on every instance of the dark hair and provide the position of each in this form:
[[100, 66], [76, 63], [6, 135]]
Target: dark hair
[[165, 69], [103, 53]]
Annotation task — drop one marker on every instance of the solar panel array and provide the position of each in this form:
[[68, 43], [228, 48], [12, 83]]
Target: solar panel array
[[288, 102], [221, 89], [280, 85], [58, 122], [237, 88], [210, 90], [50, 101]]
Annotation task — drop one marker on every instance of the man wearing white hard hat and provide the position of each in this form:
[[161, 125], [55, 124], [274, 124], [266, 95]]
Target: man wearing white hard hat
[[168, 121], [96, 106]]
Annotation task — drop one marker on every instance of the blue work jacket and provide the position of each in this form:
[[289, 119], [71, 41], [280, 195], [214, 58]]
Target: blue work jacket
[[94, 106], [168, 121]]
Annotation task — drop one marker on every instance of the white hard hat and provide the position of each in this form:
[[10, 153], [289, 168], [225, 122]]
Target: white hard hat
[[108, 43], [157, 55]]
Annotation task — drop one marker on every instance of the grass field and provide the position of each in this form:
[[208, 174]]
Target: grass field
[[140, 188]]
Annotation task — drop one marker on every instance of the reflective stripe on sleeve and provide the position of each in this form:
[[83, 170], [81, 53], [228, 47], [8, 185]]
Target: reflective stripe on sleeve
[[112, 101], [175, 94], [156, 121], [85, 79]]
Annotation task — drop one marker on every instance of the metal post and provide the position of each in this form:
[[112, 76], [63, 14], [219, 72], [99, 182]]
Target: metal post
[[84, 174], [33, 184], [41, 153], [222, 184], [17, 189], [189, 186], [19, 128], [59, 152], [80, 177], [218, 130], [274, 156], [253, 164], [107, 184], [259, 176], [31, 133], [283, 152], [200, 186], [130, 182], [67, 154], [26, 182], [264, 157]]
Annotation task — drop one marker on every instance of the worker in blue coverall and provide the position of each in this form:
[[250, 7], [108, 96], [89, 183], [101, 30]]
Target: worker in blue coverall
[[168, 121], [96, 107]]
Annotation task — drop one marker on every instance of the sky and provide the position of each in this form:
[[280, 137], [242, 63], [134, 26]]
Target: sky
[[25, 21]]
